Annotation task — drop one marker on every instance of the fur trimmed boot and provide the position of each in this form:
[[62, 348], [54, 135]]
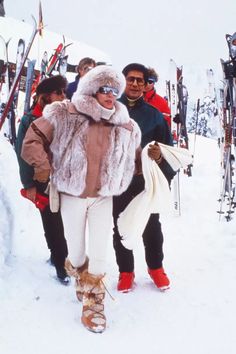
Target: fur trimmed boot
[[93, 317], [76, 273]]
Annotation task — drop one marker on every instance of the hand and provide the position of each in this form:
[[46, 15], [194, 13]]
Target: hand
[[177, 119], [41, 175], [31, 194], [154, 152]]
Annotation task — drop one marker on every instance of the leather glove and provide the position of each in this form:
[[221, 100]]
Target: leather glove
[[31, 194], [41, 175], [40, 201], [154, 152]]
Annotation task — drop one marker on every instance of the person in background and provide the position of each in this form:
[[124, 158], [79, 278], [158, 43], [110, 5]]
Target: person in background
[[48, 91], [151, 97], [154, 128], [82, 68], [93, 143]]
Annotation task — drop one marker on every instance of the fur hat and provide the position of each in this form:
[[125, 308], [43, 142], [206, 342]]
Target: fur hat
[[101, 75], [51, 84]]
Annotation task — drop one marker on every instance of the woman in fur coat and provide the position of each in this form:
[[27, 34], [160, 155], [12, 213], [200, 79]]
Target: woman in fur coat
[[93, 146]]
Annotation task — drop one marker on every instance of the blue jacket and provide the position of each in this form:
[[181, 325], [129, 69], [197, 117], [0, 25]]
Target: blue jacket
[[153, 128], [72, 87], [151, 122]]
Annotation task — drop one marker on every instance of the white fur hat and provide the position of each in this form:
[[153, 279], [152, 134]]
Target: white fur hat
[[101, 75]]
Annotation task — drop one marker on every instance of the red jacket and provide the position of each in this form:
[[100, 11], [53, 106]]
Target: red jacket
[[158, 102]]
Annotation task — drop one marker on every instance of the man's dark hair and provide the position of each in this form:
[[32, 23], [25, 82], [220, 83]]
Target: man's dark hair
[[136, 67]]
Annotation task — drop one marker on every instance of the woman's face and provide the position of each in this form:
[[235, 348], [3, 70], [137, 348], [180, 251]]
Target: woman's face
[[106, 96], [58, 95]]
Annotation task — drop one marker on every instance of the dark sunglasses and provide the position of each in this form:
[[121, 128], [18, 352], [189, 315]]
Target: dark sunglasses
[[105, 90], [132, 79], [151, 81], [59, 91]]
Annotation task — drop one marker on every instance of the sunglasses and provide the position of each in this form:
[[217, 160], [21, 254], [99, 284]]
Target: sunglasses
[[60, 92], [151, 81], [105, 90], [132, 79], [87, 68]]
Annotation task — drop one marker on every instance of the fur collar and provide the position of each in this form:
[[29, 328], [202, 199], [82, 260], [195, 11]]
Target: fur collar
[[89, 105]]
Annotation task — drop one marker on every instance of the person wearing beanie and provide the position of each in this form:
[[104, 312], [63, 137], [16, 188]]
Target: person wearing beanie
[[93, 143], [82, 68], [49, 90], [153, 128], [151, 97]]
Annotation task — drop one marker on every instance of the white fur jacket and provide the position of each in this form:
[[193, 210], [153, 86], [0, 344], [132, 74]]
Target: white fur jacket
[[66, 127]]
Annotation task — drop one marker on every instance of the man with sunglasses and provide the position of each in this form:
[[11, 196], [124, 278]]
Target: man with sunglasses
[[49, 90], [82, 68], [154, 128], [151, 97]]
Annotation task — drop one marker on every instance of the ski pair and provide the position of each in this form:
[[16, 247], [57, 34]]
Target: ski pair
[[7, 78], [48, 65], [14, 88], [177, 95], [227, 194]]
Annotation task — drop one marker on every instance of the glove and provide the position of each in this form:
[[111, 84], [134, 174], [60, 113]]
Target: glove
[[177, 119], [41, 201], [41, 175], [31, 193], [154, 152]]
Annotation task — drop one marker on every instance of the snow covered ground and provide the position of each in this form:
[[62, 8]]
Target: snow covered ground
[[196, 316]]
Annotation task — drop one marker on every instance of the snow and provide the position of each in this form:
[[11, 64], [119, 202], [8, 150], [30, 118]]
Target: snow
[[195, 316]]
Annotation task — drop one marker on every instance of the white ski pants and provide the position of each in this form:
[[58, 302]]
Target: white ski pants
[[78, 214]]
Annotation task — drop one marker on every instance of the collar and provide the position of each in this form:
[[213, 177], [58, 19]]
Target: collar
[[134, 103], [150, 94], [37, 111], [89, 106]]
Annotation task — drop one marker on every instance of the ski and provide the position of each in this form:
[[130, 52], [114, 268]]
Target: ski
[[42, 73], [180, 118], [62, 65], [58, 57], [19, 58], [227, 194], [54, 59], [5, 77], [177, 94], [11, 115], [28, 85], [171, 86]]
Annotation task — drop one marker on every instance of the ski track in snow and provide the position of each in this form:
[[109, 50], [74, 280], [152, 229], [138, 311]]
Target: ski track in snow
[[38, 315]]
